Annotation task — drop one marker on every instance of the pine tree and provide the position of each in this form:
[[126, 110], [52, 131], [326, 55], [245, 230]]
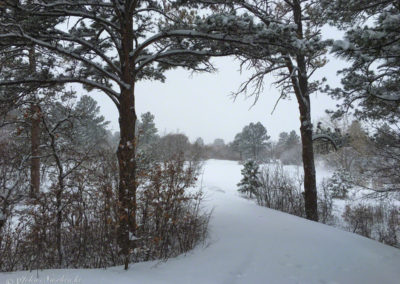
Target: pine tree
[[291, 48], [289, 147], [110, 46], [250, 181], [147, 138], [339, 184], [371, 85], [147, 130], [252, 141]]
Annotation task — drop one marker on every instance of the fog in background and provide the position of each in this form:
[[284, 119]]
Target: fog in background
[[201, 104]]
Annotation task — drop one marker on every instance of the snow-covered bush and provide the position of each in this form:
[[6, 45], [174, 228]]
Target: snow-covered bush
[[339, 184], [250, 182]]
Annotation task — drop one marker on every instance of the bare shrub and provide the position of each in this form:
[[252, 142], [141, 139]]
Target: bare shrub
[[387, 224], [171, 220], [281, 192], [77, 228], [380, 222], [325, 204], [13, 178], [391, 234], [10, 250], [360, 219], [87, 228]]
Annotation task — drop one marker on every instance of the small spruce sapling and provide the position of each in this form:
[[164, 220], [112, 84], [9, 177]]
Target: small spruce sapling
[[250, 181], [339, 184]]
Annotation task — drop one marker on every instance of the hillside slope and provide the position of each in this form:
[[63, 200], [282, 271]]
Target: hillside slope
[[251, 244]]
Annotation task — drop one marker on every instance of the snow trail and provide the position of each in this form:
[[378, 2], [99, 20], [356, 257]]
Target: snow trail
[[252, 244]]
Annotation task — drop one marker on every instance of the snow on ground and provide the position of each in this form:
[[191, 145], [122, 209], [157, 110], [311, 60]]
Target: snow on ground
[[249, 244]]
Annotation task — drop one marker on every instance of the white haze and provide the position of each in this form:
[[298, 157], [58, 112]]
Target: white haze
[[201, 105]]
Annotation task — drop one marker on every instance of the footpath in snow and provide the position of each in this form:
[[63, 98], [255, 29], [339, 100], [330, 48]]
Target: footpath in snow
[[249, 244]]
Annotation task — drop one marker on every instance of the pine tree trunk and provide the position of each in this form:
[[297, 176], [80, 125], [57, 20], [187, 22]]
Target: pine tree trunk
[[127, 174], [301, 90], [127, 146], [35, 144], [59, 225], [35, 133], [310, 186]]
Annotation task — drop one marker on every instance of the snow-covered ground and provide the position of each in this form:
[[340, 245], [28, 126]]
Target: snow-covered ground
[[249, 244]]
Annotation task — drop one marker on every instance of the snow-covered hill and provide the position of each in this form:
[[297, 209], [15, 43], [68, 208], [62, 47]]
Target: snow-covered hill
[[249, 244]]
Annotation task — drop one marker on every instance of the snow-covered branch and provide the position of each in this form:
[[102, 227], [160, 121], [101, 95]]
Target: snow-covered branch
[[67, 37], [61, 80], [187, 34], [325, 137], [170, 53], [68, 53]]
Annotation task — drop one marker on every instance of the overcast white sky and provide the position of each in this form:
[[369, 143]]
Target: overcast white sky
[[201, 105]]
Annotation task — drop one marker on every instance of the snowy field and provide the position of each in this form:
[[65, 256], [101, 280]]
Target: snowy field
[[249, 244]]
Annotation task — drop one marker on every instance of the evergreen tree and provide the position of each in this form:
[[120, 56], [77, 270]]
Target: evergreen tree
[[283, 137], [252, 141], [250, 181], [237, 145], [281, 144], [147, 131], [293, 140], [371, 85], [199, 142], [146, 143], [289, 148], [339, 184], [90, 125], [292, 50], [110, 46], [219, 143], [386, 154], [371, 44]]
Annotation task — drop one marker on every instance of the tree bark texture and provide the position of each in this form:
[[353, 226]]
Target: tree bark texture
[[35, 133], [127, 146], [127, 175], [301, 89]]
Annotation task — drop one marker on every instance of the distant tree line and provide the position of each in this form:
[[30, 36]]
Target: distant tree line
[[253, 143]]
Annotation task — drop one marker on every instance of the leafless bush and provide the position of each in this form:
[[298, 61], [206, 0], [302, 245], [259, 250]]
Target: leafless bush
[[10, 249], [325, 204], [30, 239], [360, 219], [379, 222], [170, 217], [13, 178], [388, 231], [171, 220], [281, 192]]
